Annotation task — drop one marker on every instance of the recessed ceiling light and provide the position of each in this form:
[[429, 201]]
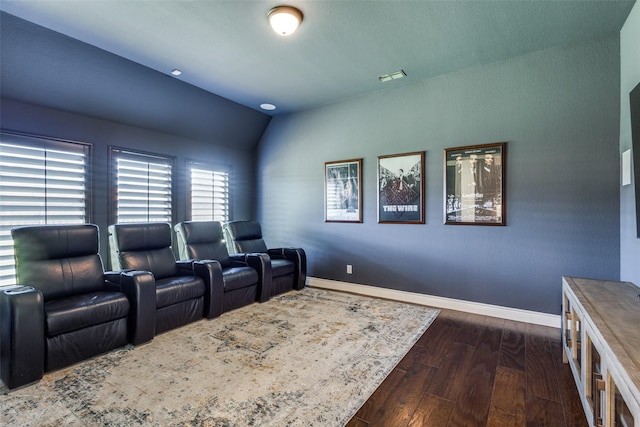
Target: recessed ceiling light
[[176, 72], [267, 107]]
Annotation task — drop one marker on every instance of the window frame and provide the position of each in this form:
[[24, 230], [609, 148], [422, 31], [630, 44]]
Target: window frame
[[210, 167], [113, 179], [46, 143]]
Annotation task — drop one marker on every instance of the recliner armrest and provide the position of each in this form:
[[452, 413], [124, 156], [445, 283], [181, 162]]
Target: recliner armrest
[[211, 272], [186, 267], [140, 289], [238, 260], [112, 279], [22, 335], [262, 264], [276, 253], [299, 257]]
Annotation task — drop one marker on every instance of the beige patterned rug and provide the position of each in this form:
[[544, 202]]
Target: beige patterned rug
[[308, 358]]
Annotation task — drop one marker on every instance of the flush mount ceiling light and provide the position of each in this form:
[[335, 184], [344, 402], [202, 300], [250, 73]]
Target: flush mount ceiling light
[[268, 107], [284, 19], [392, 76], [176, 72]]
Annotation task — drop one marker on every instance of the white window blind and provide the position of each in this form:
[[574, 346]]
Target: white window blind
[[208, 193], [42, 181], [142, 187]]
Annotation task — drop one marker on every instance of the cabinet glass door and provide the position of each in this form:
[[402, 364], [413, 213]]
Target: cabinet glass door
[[567, 321], [621, 415], [598, 398], [577, 341]]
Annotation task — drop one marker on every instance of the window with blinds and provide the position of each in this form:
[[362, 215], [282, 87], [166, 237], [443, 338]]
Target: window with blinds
[[142, 186], [208, 192], [42, 181]]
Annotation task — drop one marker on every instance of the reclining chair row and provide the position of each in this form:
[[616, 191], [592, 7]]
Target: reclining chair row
[[65, 308]]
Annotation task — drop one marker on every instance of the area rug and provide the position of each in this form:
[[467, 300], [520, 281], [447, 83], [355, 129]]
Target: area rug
[[307, 358]]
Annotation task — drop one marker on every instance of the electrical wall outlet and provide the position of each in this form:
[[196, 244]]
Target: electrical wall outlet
[[349, 269]]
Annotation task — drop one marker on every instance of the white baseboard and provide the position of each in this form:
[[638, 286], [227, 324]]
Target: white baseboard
[[516, 314]]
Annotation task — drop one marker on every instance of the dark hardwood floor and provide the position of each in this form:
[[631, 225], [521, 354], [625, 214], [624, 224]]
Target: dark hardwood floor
[[469, 370]]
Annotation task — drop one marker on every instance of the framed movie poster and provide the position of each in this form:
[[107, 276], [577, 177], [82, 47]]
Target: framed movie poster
[[474, 185], [401, 188], [343, 191]]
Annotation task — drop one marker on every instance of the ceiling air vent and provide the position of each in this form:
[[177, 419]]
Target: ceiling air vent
[[392, 76]]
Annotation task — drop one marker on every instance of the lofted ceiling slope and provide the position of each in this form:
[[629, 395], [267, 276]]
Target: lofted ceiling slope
[[226, 48]]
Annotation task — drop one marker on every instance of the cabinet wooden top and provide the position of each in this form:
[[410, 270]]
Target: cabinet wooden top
[[613, 308]]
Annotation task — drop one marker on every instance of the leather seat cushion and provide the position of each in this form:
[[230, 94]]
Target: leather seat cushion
[[239, 277], [173, 290], [81, 311], [282, 267]]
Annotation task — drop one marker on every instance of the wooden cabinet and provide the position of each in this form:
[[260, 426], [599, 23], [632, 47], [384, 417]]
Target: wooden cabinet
[[601, 340]]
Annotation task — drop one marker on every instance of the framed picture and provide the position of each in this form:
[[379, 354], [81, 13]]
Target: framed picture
[[474, 185], [401, 188], [343, 191]]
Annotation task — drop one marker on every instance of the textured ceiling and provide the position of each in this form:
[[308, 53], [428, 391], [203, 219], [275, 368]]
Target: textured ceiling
[[227, 47]]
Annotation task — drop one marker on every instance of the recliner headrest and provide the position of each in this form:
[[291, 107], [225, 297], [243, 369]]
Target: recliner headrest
[[143, 236], [200, 231], [245, 230], [44, 242]]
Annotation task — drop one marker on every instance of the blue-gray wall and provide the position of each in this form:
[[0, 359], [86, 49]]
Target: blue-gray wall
[[558, 110], [42, 67], [37, 120], [629, 78], [56, 86]]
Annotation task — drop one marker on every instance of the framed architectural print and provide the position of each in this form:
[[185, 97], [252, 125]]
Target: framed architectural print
[[474, 185], [401, 188], [343, 191]]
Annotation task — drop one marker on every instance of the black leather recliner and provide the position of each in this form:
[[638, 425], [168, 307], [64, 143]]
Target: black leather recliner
[[288, 265], [65, 308], [246, 277], [185, 291]]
